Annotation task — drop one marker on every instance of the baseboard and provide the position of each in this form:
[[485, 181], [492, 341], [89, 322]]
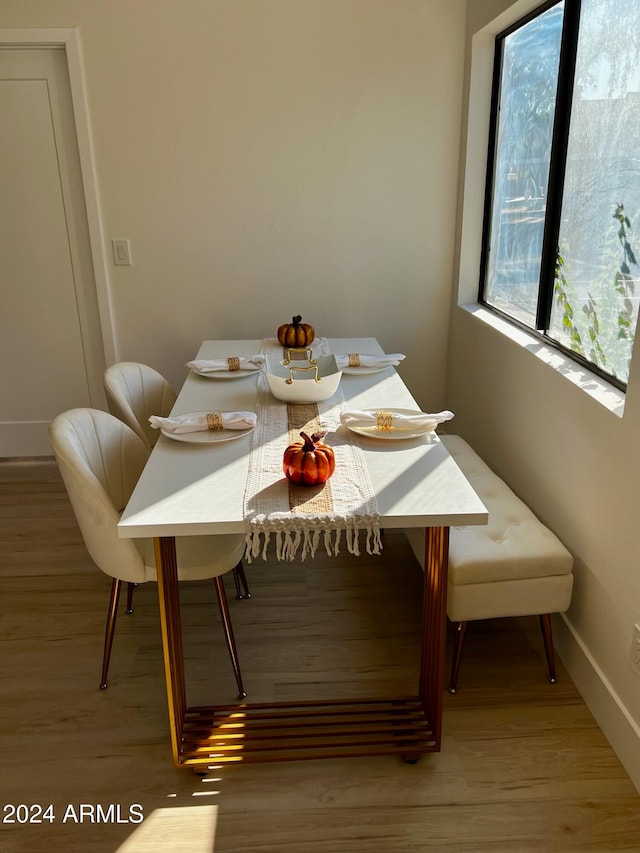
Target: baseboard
[[616, 723]]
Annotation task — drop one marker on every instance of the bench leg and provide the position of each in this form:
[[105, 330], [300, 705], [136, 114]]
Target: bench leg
[[547, 636], [461, 629], [545, 625]]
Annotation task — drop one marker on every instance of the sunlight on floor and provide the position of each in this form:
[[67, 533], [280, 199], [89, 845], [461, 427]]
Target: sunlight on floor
[[186, 829]]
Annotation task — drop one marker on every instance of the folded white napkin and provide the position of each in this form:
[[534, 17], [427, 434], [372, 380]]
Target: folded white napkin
[[369, 360], [381, 419], [213, 365], [199, 422]]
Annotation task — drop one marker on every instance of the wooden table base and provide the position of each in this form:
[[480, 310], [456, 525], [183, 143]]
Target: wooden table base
[[289, 731], [409, 726]]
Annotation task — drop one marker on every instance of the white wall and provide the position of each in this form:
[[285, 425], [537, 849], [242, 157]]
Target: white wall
[[274, 157], [572, 459]]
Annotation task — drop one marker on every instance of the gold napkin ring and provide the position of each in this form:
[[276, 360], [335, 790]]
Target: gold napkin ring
[[233, 363], [384, 420], [214, 421], [354, 359]]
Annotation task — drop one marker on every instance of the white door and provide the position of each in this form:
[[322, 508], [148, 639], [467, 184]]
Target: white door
[[51, 349]]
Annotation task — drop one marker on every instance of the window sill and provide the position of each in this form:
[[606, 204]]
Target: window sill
[[599, 389]]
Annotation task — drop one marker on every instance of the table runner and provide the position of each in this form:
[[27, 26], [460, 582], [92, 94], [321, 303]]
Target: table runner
[[299, 518]]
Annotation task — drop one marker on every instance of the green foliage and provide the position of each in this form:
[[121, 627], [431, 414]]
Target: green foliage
[[562, 292], [604, 331]]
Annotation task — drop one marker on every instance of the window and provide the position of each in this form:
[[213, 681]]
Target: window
[[562, 205]]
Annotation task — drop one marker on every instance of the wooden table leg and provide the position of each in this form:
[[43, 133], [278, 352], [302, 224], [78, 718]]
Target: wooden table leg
[[434, 623], [171, 631]]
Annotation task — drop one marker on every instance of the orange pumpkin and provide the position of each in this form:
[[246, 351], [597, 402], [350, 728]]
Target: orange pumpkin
[[308, 462], [296, 334]]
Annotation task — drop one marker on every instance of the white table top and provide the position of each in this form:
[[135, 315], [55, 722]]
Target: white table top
[[193, 489]]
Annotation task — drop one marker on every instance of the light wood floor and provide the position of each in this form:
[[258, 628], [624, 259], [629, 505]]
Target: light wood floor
[[523, 765]]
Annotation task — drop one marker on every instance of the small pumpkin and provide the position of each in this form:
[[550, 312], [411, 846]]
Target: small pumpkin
[[296, 334], [309, 462]]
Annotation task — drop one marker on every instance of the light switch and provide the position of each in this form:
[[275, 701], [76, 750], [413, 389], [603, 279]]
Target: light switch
[[121, 253]]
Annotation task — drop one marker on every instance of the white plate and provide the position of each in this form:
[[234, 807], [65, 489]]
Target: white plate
[[207, 436], [394, 433], [226, 374]]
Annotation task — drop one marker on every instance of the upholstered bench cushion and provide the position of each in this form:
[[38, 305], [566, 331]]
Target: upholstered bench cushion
[[514, 565]]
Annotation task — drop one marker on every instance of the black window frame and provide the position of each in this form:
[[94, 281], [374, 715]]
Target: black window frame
[[557, 166]]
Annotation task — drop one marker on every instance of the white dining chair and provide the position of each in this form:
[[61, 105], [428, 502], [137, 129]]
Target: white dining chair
[[100, 460], [134, 392]]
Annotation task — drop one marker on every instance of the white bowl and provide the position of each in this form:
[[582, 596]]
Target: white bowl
[[301, 381]]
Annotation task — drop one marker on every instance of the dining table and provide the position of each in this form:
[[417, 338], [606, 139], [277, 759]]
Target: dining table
[[199, 487]]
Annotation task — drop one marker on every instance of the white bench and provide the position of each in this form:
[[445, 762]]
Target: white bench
[[513, 566]]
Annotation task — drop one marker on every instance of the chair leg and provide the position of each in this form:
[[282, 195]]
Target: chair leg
[[130, 588], [112, 613], [228, 631], [461, 630], [240, 578], [545, 625]]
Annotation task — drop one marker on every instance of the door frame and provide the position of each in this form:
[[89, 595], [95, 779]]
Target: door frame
[[69, 40]]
